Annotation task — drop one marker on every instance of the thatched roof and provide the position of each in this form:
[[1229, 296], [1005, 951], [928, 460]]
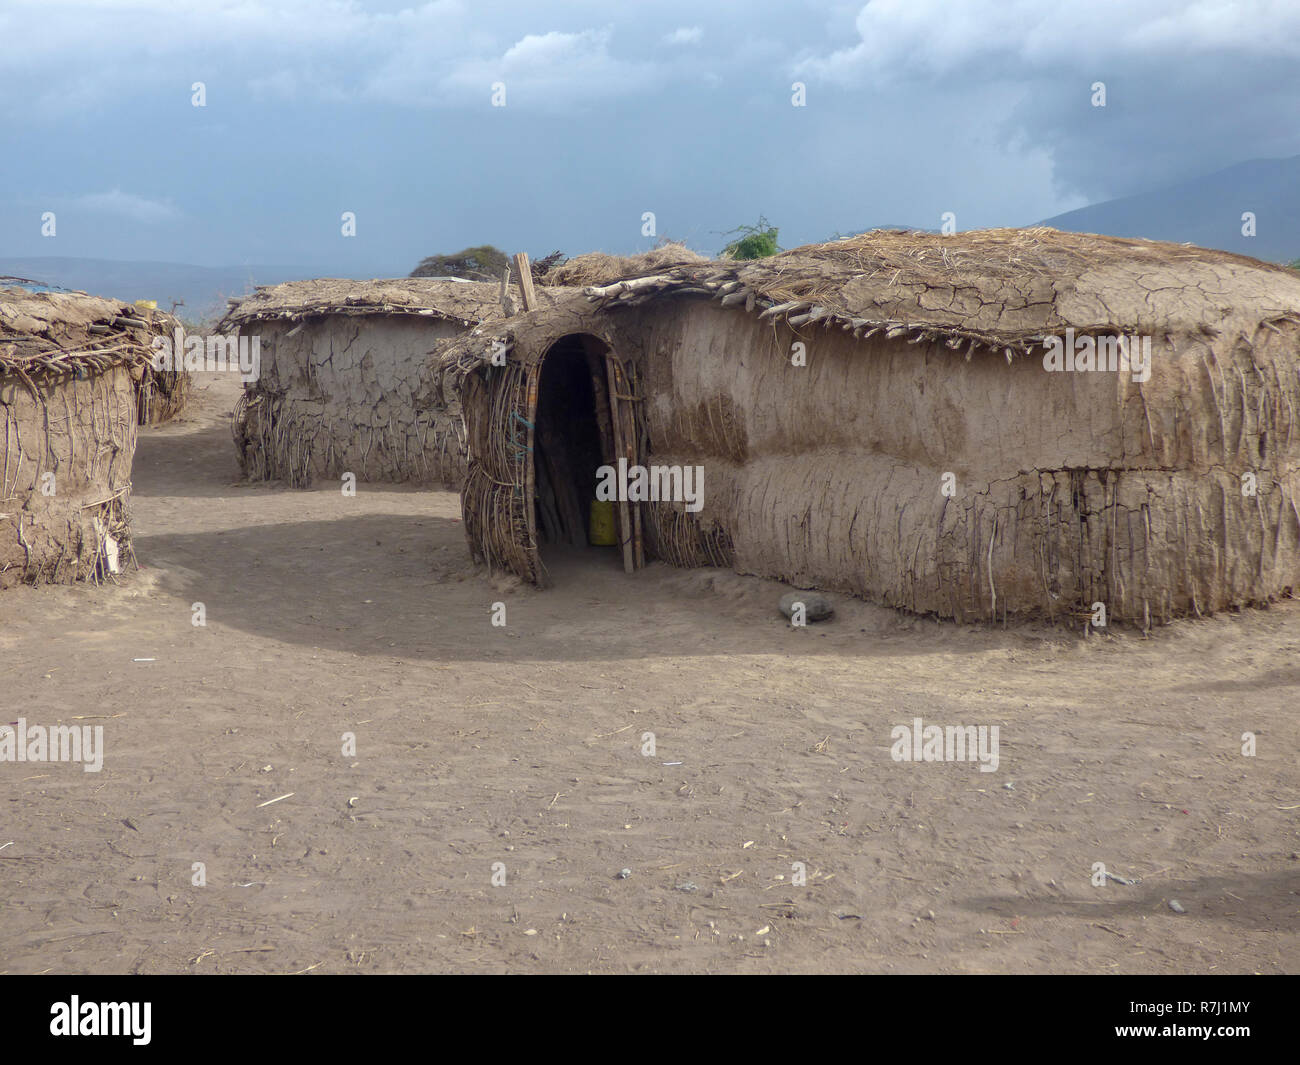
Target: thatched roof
[[997, 288], [71, 333], [465, 302], [1002, 290], [597, 268]]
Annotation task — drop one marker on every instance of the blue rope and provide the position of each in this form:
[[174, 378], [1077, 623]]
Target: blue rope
[[521, 449]]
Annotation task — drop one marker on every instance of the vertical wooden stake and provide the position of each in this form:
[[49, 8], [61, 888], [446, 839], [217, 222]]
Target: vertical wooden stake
[[620, 449], [503, 297], [525, 273], [628, 418], [531, 376]]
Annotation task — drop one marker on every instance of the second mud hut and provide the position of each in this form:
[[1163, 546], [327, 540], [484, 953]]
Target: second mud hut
[[345, 382]]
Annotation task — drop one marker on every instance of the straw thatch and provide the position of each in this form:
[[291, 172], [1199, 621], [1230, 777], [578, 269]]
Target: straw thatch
[[924, 357], [70, 366], [346, 379], [999, 288], [597, 268], [463, 302]]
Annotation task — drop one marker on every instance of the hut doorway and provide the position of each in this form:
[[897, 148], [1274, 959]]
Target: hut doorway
[[582, 424]]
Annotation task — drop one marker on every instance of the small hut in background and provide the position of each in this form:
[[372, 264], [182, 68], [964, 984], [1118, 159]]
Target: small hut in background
[[880, 416], [162, 394], [346, 382], [70, 367]]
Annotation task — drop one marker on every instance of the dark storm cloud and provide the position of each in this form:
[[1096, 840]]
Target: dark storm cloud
[[913, 109]]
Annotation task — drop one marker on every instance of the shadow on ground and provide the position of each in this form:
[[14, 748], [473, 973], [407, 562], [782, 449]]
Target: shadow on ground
[[401, 584], [1266, 902], [186, 462]]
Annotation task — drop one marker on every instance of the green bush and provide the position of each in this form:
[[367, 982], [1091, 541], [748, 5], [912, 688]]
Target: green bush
[[753, 242], [484, 263]]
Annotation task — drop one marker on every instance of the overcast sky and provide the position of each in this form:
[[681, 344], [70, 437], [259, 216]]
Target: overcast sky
[[612, 109]]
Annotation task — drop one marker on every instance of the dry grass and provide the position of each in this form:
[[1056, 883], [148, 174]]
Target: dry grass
[[597, 268], [466, 302]]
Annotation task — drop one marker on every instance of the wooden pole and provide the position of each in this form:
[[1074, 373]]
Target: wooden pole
[[620, 449], [531, 375], [604, 418], [627, 416], [600, 396], [525, 273], [507, 304]]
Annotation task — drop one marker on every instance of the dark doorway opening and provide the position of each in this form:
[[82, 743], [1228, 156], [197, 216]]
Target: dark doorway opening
[[568, 446]]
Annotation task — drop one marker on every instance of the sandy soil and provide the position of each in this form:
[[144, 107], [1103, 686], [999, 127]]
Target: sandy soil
[[522, 745]]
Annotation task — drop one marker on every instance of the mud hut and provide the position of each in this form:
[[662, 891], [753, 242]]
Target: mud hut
[[70, 366], [980, 426], [346, 383]]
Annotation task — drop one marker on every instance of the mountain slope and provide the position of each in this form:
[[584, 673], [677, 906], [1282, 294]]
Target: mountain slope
[[202, 289], [1207, 211]]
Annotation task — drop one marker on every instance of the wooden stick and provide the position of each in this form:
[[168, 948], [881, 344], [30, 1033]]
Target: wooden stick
[[600, 395], [604, 421], [526, 280], [503, 297], [532, 375], [628, 414], [630, 442], [636, 284], [620, 448]]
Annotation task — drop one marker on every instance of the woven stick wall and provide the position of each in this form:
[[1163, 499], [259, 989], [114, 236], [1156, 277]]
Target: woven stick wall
[[65, 466], [162, 394], [496, 500]]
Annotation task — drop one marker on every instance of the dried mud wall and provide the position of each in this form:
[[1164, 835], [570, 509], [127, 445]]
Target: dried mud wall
[[1067, 489], [349, 395], [73, 525]]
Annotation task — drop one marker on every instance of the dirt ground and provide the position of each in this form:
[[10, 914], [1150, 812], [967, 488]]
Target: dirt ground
[[523, 745]]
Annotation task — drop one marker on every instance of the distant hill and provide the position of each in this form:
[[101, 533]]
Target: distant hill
[[1207, 211], [1204, 210], [204, 289]]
